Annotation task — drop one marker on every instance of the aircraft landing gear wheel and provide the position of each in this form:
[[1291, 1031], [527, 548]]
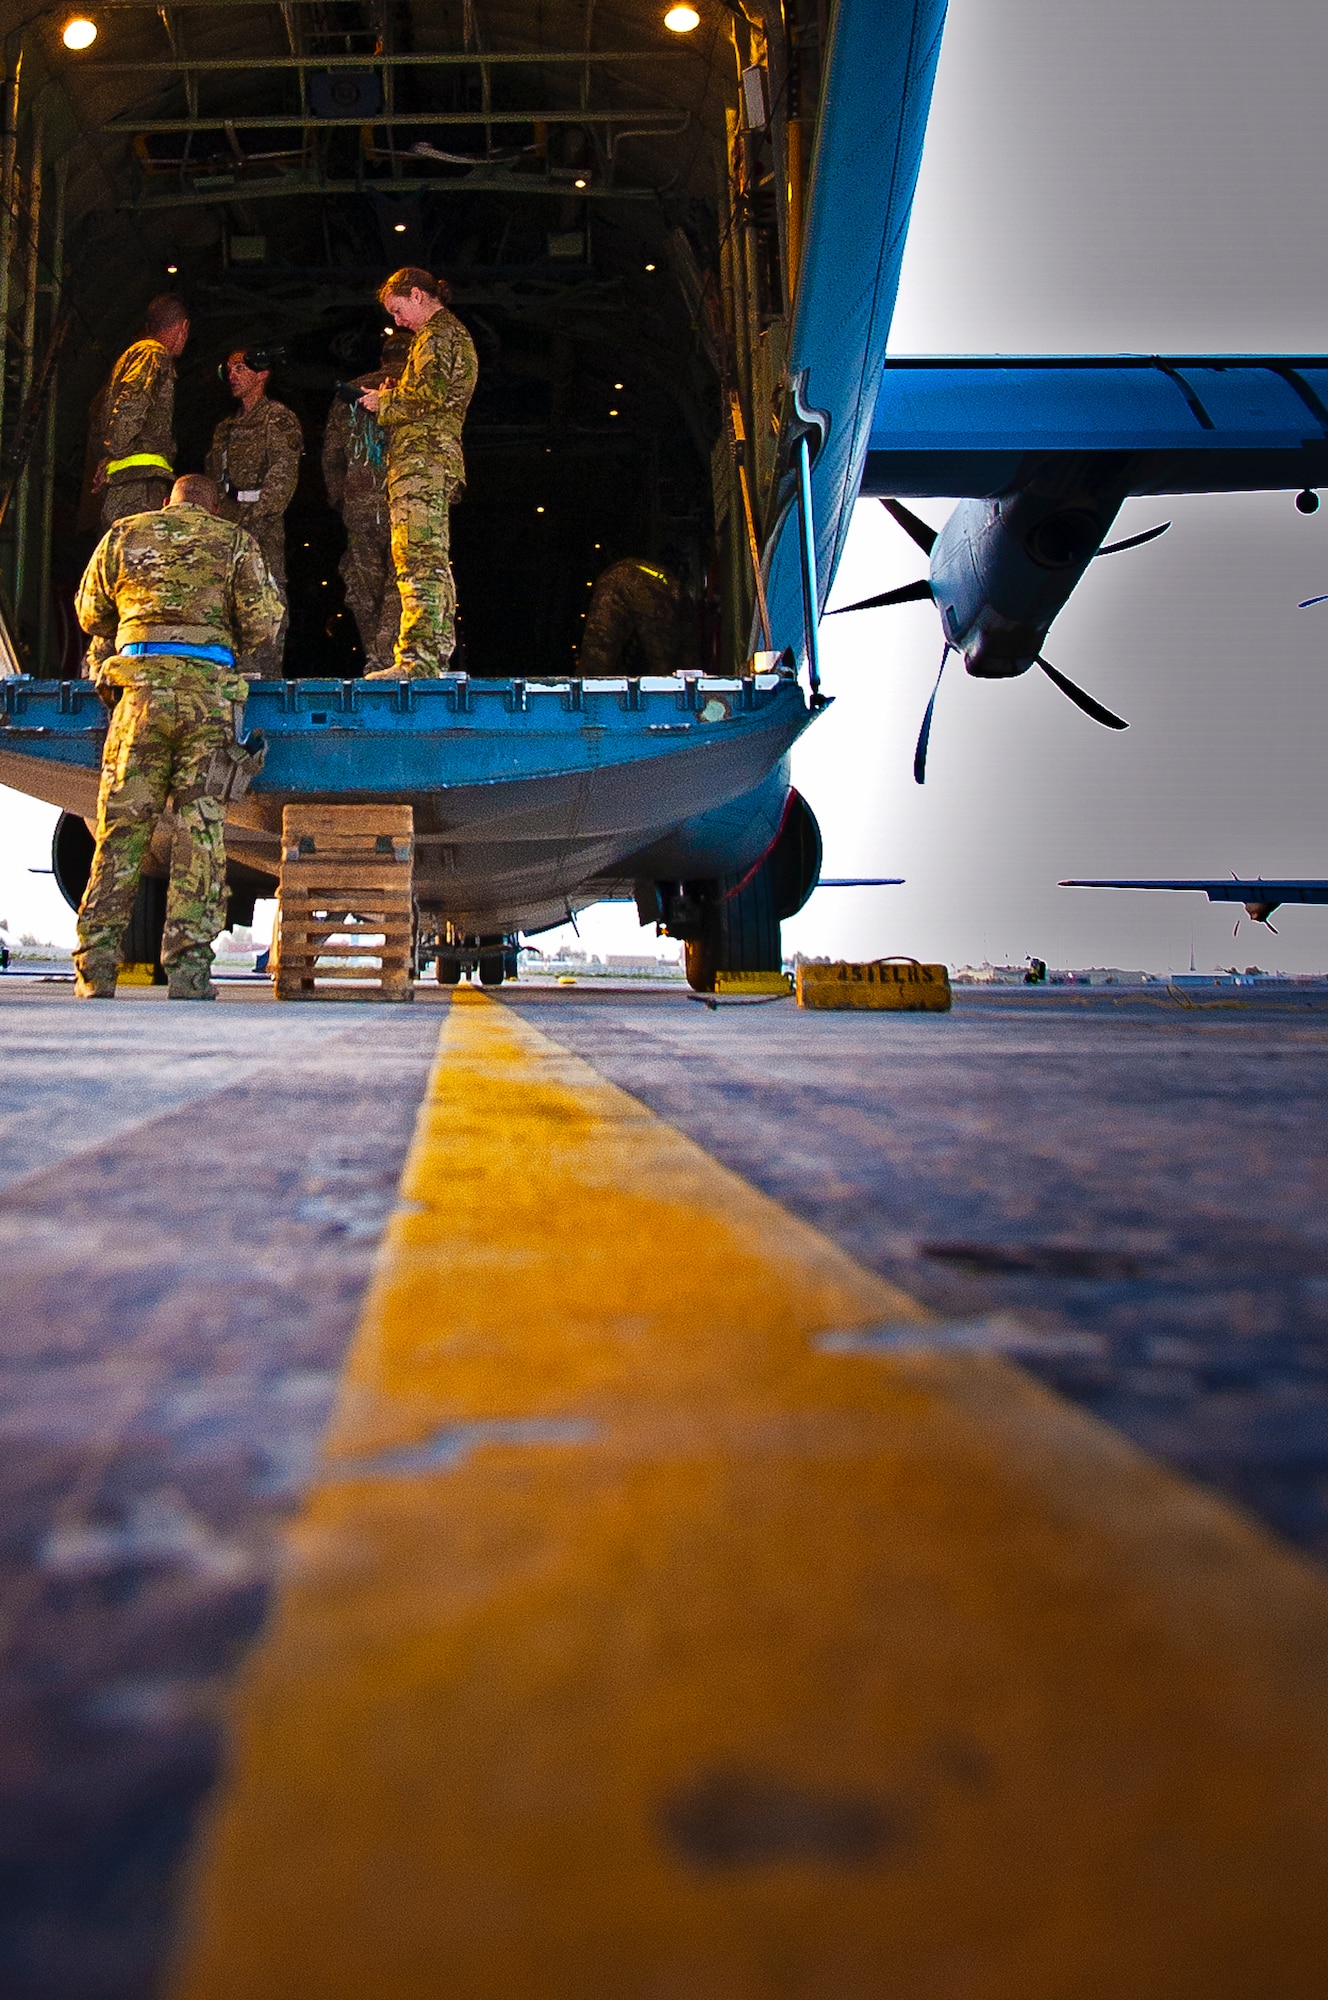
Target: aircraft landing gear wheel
[[491, 971], [741, 933], [447, 970], [698, 960]]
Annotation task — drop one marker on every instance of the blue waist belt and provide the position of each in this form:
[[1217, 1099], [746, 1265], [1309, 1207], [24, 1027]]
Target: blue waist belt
[[139, 649]]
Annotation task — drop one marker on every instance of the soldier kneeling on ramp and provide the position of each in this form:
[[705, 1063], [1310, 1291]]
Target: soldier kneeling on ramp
[[170, 598], [640, 620]]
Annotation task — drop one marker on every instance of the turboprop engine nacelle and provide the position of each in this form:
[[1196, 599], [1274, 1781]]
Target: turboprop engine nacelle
[[1002, 569]]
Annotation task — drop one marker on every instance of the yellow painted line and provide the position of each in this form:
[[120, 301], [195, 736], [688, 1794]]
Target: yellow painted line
[[636, 1647]]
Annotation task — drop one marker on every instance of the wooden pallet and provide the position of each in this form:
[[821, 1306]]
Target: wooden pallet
[[344, 904]]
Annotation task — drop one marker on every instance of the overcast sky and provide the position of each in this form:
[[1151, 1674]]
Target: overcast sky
[[1141, 177]]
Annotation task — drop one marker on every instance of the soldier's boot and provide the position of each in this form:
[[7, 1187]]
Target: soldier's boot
[[94, 979], [412, 670], [188, 978]]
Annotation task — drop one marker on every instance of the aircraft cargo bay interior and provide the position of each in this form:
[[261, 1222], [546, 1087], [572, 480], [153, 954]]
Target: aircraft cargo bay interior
[[621, 260], [779, 1462]]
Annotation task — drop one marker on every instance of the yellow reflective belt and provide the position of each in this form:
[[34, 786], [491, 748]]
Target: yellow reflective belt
[[658, 574], [140, 458]]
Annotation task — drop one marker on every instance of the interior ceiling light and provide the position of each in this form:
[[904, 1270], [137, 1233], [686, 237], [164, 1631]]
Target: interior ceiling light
[[650, 267], [682, 20], [171, 270], [79, 34], [618, 385], [400, 228]]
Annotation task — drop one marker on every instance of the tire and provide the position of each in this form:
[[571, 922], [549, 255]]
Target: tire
[[795, 859], [698, 962], [72, 849], [741, 932], [448, 970], [147, 922], [491, 970]]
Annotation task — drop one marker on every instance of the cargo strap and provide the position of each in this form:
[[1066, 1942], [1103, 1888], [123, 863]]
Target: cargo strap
[[141, 649], [151, 459]]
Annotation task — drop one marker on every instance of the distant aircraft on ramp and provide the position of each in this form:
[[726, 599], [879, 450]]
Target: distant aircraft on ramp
[[1259, 897]]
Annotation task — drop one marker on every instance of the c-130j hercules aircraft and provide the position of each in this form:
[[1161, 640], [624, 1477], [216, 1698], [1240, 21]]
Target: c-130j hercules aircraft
[[677, 242]]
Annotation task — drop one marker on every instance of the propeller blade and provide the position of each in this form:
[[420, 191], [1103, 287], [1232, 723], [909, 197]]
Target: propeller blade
[[1080, 699], [1306, 602], [924, 734], [916, 530], [1134, 541], [907, 593]]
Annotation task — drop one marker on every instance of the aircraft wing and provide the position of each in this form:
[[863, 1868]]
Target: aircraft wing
[[963, 427], [1260, 891]]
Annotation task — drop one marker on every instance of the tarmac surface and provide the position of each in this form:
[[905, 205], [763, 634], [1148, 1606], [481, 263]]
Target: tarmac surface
[[1125, 1191], [1122, 1194]]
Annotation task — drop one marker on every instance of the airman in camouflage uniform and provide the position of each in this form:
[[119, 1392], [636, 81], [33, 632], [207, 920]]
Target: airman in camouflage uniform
[[136, 451], [168, 598], [422, 414], [640, 620], [355, 474], [255, 460]]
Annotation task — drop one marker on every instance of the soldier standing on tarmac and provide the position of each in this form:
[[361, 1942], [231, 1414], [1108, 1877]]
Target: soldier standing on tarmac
[[422, 414], [355, 475], [137, 447], [169, 597], [640, 620], [255, 461]]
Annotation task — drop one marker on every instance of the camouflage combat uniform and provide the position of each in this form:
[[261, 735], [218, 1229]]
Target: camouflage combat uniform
[[255, 460], [137, 414], [355, 474], [422, 415], [178, 575], [640, 620]]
